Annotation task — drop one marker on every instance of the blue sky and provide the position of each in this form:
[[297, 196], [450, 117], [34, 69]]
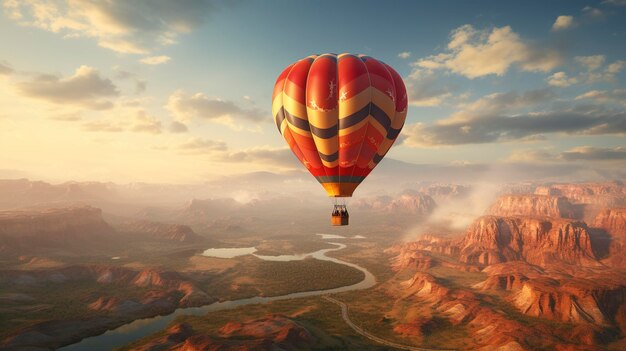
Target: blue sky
[[124, 90]]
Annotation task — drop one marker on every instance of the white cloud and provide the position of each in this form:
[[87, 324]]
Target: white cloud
[[560, 79], [196, 146], [404, 55], [133, 27], [423, 88], [85, 88], [617, 96], [590, 63], [177, 127], [155, 60], [145, 124], [595, 69], [563, 23], [102, 126], [185, 107], [507, 117], [476, 53]]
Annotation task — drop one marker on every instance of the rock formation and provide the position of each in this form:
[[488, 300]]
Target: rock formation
[[492, 239], [533, 206]]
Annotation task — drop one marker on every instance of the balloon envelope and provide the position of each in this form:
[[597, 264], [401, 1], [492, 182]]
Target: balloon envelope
[[339, 114]]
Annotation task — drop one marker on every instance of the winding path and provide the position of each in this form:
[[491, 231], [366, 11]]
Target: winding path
[[365, 333]]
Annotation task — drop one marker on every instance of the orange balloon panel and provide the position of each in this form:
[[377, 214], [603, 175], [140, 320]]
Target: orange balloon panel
[[339, 114]]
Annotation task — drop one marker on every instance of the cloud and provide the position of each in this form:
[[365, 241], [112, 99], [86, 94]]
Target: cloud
[[560, 79], [197, 146], [177, 127], [282, 157], [67, 117], [501, 118], [591, 63], [532, 155], [498, 103], [615, 2], [144, 123], [595, 69], [580, 153], [590, 153], [617, 96], [85, 88], [133, 27], [404, 55], [102, 126], [476, 53], [185, 107], [5, 68], [563, 23], [423, 89], [592, 12], [155, 60]]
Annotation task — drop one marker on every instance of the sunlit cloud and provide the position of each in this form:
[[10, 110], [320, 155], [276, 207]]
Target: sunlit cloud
[[86, 87], [155, 60], [563, 23], [186, 107], [130, 27], [579, 153], [201, 146], [501, 118], [617, 96], [145, 123], [561, 79], [476, 53]]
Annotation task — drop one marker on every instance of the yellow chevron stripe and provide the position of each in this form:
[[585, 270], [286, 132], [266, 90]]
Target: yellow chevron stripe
[[330, 164], [398, 120], [294, 107], [346, 131], [322, 119], [382, 100], [326, 146], [355, 103]]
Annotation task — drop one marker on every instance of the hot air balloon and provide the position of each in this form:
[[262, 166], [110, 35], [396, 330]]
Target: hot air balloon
[[339, 114]]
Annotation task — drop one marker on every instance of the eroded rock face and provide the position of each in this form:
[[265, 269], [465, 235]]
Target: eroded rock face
[[163, 231], [274, 332], [613, 220], [492, 239], [572, 300], [53, 227], [610, 194], [533, 206]]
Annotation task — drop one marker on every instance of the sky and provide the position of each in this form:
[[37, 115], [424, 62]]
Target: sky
[[180, 91]]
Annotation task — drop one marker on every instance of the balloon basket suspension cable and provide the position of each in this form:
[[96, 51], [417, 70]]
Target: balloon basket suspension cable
[[339, 216]]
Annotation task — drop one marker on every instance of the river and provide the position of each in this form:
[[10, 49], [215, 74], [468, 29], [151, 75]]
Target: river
[[143, 327]]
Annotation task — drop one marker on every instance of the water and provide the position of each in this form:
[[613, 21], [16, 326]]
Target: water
[[229, 252], [331, 236], [143, 327]]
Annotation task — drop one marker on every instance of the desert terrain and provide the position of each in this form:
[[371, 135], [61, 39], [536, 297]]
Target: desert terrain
[[542, 266]]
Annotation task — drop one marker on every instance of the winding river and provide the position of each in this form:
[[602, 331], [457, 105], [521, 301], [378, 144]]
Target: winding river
[[143, 327]]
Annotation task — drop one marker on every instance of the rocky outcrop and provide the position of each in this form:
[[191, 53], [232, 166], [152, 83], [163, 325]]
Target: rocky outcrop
[[273, 332], [160, 231], [513, 281], [492, 239], [64, 228], [613, 220], [610, 194], [533, 206], [596, 302]]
